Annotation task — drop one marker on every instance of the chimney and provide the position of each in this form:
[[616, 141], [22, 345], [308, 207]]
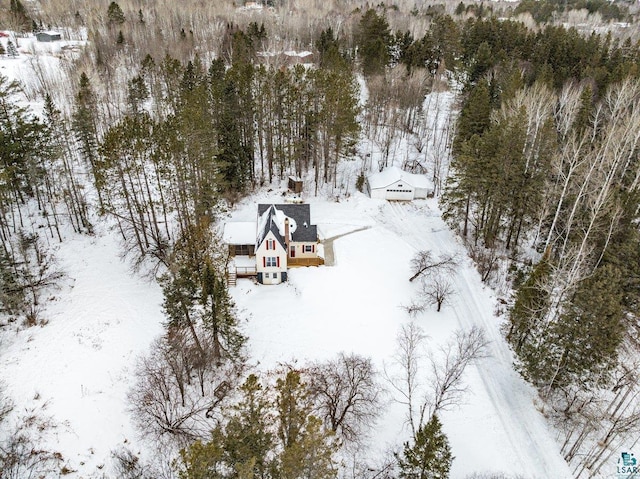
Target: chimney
[[287, 239]]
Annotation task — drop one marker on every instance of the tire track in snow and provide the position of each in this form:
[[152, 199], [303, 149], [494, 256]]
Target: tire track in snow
[[534, 448]]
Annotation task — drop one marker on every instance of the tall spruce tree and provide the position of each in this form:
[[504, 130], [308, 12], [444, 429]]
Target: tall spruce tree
[[373, 38], [429, 456], [531, 306], [580, 347], [12, 51], [248, 442], [266, 439], [86, 130], [196, 297], [308, 448], [115, 15]]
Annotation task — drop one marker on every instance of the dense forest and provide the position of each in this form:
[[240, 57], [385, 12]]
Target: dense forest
[[169, 115]]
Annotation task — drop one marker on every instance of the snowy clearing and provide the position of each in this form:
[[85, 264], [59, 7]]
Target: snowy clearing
[[355, 306], [76, 370]]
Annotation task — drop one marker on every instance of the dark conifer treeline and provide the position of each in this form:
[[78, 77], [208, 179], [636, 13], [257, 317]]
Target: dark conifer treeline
[[545, 155]]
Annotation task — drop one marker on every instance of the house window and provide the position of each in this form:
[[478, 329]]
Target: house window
[[266, 275], [271, 244], [308, 248], [275, 275], [271, 261]]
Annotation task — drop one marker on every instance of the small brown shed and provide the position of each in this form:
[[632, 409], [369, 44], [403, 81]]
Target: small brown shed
[[295, 184]]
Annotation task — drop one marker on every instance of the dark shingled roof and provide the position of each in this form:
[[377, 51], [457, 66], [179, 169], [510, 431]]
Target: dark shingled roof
[[300, 213]]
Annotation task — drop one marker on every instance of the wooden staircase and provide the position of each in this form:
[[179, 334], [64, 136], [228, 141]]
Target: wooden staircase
[[231, 278]]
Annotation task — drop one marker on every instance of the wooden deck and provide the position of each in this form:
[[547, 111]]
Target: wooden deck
[[243, 268], [293, 262], [244, 271]]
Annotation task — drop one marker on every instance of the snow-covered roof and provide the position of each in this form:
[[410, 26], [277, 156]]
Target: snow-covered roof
[[240, 232], [271, 218], [293, 53], [51, 32], [393, 174]]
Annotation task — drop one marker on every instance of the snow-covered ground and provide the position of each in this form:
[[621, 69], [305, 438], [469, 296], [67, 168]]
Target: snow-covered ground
[[76, 369], [356, 306]]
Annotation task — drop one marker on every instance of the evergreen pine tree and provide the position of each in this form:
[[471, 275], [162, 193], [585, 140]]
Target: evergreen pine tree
[[329, 50], [429, 457], [583, 119], [308, 447], [531, 305], [12, 293], [247, 448], [204, 460], [85, 129], [12, 51], [248, 442], [196, 297], [138, 93], [580, 347], [373, 39], [22, 140], [115, 15], [475, 115]]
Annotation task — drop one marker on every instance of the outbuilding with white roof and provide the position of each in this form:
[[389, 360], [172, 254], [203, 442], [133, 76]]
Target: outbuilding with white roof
[[393, 183]]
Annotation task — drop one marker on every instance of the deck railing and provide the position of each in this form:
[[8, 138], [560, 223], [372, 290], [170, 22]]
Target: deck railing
[[246, 270], [305, 261]]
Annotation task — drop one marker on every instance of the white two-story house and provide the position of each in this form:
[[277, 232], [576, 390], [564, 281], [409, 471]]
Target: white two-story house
[[284, 238]]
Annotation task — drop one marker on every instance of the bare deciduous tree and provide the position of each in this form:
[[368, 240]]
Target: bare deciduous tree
[[6, 405], [487, 260], [20, 456], [445, 386], [409, 353], [446, 382], [437, 290], [424, 264], [414, 308], [347, 394], [177, 396]]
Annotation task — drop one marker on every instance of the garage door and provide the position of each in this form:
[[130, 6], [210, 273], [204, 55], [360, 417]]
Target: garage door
[[401, 194]]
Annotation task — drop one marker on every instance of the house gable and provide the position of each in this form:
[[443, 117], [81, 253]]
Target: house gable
[[271, 260]]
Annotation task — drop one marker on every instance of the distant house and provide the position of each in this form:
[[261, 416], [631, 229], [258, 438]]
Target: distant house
[[48, 36], [252, 6], [282, 59], [295, 57], [394, 183], [282, 237]]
